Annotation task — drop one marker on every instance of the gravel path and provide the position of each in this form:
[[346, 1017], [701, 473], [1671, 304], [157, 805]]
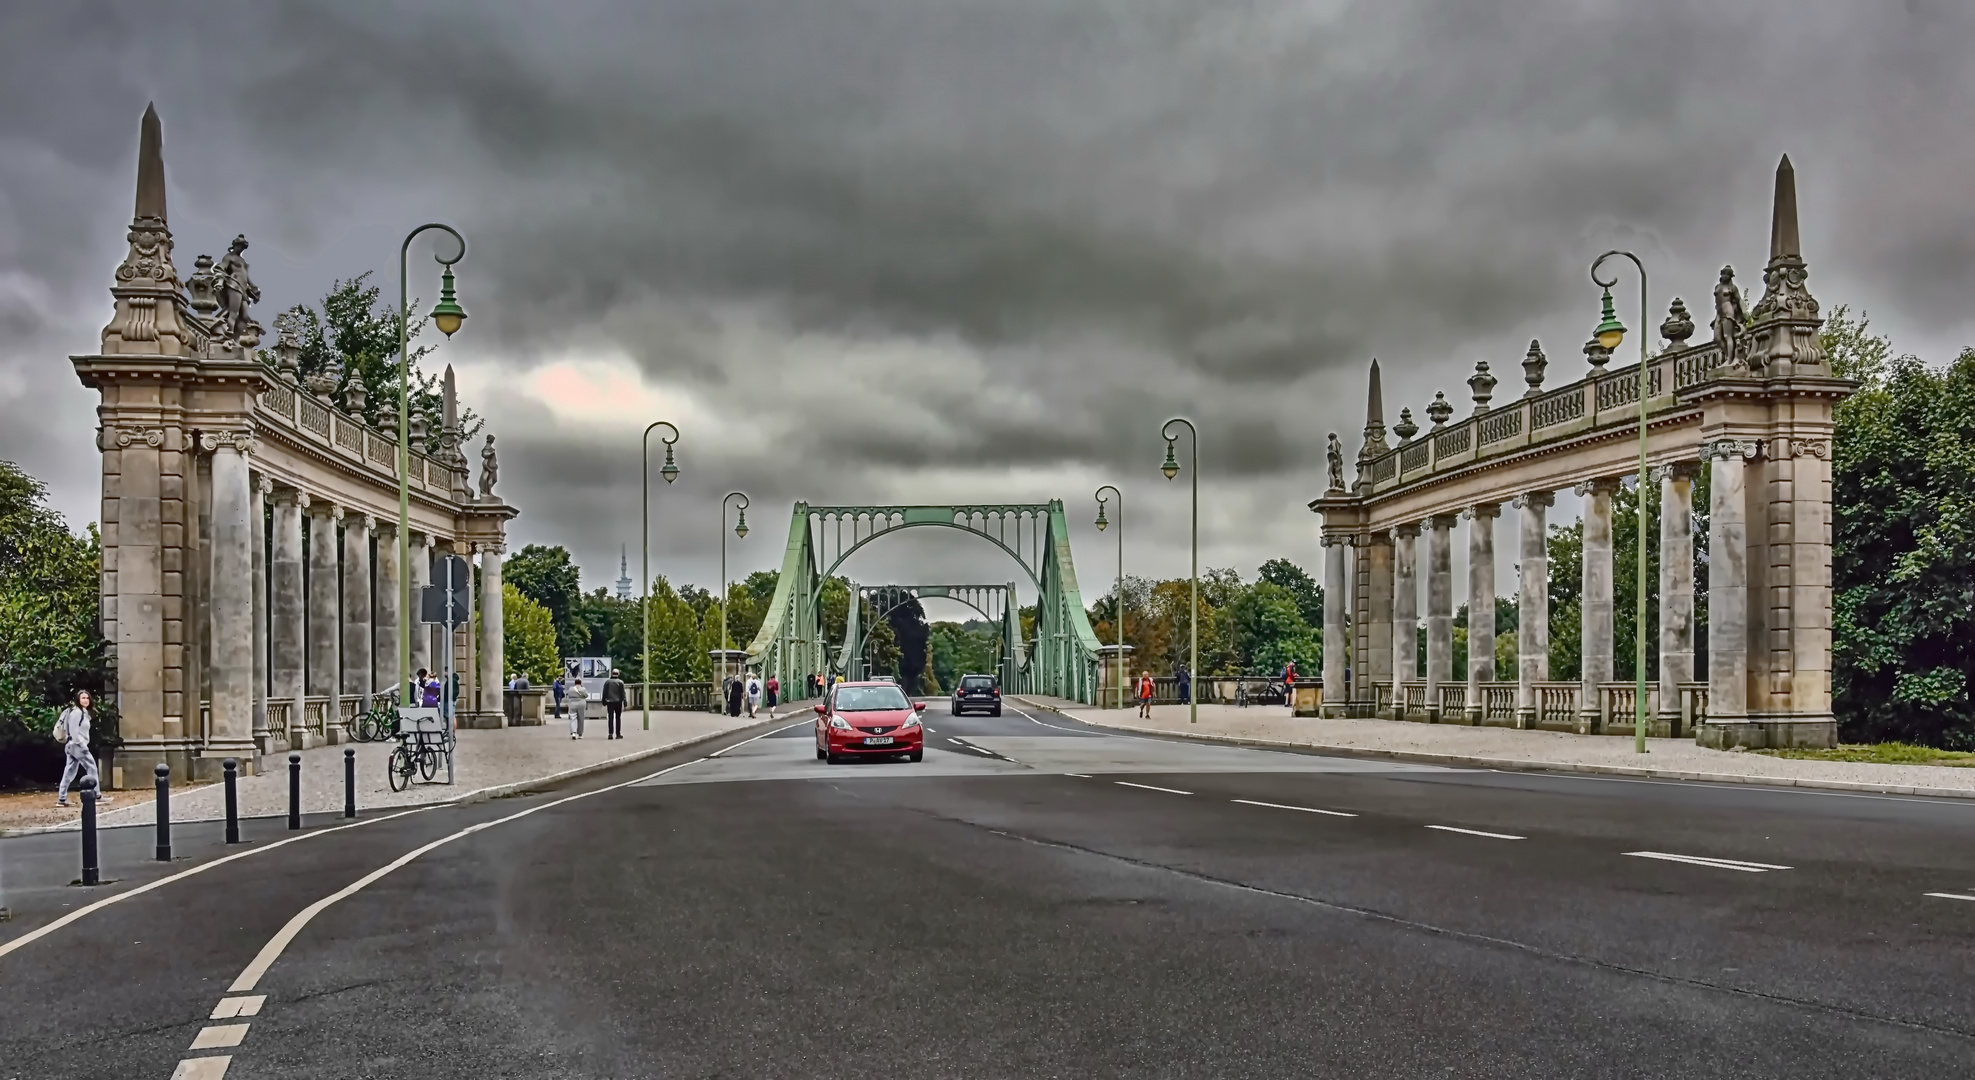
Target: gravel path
[[1506, 747], [484, 759]]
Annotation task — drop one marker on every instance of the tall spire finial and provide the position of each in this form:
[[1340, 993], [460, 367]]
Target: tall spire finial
[[1374, 422], [150, 168], [1375, 402], [1783, 221]]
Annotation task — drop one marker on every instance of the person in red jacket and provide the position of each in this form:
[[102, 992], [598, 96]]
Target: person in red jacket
[[1289, 686], [1145, 695]]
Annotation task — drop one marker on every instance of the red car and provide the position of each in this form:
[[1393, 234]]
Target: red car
[[869, 719]]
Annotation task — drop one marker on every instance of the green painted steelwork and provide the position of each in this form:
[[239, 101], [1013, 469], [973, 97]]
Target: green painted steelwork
[[885, 599], [1059, 659]]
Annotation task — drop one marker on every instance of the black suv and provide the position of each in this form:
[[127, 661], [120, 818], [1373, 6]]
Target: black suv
[[977, 692]]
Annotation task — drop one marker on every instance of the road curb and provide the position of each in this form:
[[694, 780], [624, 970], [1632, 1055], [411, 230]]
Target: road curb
[[1422, 757], [477, 795]]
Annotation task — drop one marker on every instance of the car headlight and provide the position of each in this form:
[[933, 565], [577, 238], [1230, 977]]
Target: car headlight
[[911, 721], [839, 723]]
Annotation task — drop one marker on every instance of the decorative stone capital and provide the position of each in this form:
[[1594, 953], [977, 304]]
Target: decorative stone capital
[[1482, 511], [1443, 521], [1376, 538], [123, 438], [1682, 470], [1816, 448], [1729, 449], [1603, 485], [1409, 530], [369, 523], [302, 500], [1335, 540], [1534, 498], [491, 547], [240, 441]]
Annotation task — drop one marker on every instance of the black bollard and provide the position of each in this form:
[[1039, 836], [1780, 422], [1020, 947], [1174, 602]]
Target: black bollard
[[294, 791], [349, 783], [232, 768], [164, 812], [91, 873]]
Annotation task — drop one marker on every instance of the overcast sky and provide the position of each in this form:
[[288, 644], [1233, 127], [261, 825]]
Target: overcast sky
[[927, 251]]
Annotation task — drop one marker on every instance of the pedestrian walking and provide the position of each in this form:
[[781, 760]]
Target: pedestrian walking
[[430, 699], [559, 688], [753, 693], [418, 687], [774, 690], [72, 731], [579, 704], [1186, 686], [1145, 695], [735, 693], [1289, 686], [613, 704]]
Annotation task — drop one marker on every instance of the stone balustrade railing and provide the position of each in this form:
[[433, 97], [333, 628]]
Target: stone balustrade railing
[[1609, 398], [1556, 706], [315, 422]]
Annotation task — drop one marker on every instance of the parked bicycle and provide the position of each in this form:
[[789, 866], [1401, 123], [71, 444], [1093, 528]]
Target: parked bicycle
[[377, 725], [423, 741]]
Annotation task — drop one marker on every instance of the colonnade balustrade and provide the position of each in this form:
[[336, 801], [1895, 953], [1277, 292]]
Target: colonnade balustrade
[[1752, 406]]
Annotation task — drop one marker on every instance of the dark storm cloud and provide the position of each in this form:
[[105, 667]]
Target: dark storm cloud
[[902, 245]]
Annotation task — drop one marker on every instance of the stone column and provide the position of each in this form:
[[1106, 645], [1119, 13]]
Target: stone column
[[1533, 604], [421, 633], [491, 646], [1596, 636], [1405, 612], [1375, 667], [287, 611], [357, 646], [325, 667], [1481, 605], [384, 668], [231, 581], [1439, 610], [257, 524], [1728, 582], [1335, 649], [1676, 588], [1809, 555]]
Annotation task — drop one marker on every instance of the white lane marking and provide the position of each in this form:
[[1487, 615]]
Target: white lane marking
[[1149, 787], [250, 976], [1950, 896], [1078, 775], [1305, 809], [1702, 860], [951, 739], [763, 735], [1477, 832], [1031, 719], [219, 1036], [229, 1008], [10, 946], [1718, 785], [205, 1068]]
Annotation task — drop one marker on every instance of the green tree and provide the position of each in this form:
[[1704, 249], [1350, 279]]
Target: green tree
[[528, 636], [51, 643], [1309, 595], [549, 577], [1268, 628]]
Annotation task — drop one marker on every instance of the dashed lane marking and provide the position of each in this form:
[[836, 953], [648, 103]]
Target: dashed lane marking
[[202, 1068], [219, 1036], [1149, 787], [1950, 896], [1078, 775], [228, 1008], [1477, 832], [1702, 860], [1305, 809]]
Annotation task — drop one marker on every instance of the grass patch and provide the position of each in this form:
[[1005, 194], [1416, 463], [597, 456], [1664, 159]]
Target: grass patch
[[1892, 753]]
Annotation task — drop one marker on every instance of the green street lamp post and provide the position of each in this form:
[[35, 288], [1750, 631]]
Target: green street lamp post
[[740, 532], [1609, 333], [1118, 598], [447, 315], [671, 472], [1171, 468]]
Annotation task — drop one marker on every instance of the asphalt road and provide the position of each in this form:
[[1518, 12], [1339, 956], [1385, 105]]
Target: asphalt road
[[1035, 899]]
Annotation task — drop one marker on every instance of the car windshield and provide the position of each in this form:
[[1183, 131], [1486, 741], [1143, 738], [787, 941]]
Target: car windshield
[[981, 683], [870, 699]]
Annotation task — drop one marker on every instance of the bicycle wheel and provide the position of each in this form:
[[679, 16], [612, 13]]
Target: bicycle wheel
[[401, 768], [366, 728], [428, 762]]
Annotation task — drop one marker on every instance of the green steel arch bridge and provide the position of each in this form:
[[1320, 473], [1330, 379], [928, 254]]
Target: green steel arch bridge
[[996, 604], [1059, 658]]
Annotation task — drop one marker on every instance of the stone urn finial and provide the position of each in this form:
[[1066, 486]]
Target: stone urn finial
[[1679, 326], [1405, 428], [1440, 411], [1481, 385], [355, 395], [1598, 356], [421, 431], [1533, 365]]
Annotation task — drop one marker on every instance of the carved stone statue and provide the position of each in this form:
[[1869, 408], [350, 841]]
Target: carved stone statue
[[1336, 455], [1730, 319], [490, 470], [234, 290]]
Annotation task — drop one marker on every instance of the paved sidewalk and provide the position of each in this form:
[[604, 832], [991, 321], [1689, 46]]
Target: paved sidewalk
[[485, 760], [1506, 748]]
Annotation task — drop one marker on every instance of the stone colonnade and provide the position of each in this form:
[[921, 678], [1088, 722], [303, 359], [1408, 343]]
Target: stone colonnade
[[1384, 616]]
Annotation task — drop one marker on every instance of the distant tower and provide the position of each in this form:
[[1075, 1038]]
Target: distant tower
[[623, 573]]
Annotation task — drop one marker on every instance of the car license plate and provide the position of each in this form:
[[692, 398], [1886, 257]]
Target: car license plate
[[878, 740]]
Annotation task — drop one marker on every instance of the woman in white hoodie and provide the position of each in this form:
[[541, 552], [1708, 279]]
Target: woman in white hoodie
[[578, 700], [73, 725]]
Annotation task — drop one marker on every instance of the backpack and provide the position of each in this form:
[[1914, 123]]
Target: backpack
[[61, 731]]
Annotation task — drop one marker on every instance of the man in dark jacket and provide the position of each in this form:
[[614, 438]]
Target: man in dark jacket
[[736, 693], [613, 704]]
